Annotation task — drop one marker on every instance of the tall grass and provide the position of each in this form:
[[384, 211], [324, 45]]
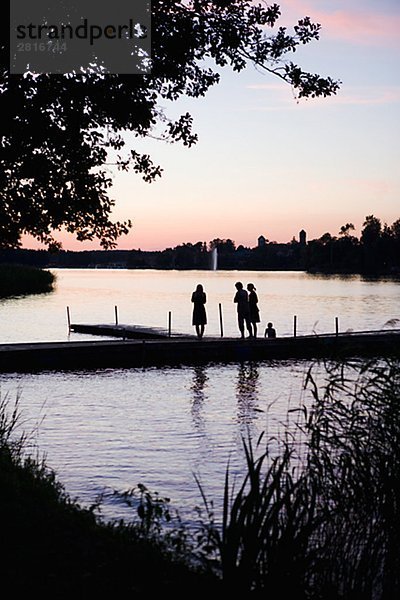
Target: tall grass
[[321, 519], [16, 280], [354, 447]]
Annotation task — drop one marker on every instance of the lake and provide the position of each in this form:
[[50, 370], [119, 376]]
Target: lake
[[115, 428]]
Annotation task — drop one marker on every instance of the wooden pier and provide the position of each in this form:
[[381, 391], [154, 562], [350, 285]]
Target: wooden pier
[[30, 357], [127, 332]]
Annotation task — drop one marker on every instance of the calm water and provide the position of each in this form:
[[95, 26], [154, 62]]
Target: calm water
[[116, 428], [146, 297]]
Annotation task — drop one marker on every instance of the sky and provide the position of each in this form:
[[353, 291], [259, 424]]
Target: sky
[[267, 164]]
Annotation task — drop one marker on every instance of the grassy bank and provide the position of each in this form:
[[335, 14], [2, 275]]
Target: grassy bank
[[16, 280], [316, 515], [51, 545]]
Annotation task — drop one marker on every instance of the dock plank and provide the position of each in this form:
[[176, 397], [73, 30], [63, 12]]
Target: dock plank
[[177, 351], [125, 331]]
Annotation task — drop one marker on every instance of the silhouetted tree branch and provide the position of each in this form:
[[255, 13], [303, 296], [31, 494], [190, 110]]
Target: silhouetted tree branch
[[59, 132]]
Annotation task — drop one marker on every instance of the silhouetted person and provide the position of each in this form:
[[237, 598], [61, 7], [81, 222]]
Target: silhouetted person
[[253, 308], [199, 318], [270, 331], [242, 300]]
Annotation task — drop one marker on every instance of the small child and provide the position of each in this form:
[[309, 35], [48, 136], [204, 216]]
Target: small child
[[270, 331]]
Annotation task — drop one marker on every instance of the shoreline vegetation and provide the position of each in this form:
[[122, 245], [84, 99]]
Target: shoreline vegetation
[[18, 280], [52, 545], [375, 252], [316, 515]]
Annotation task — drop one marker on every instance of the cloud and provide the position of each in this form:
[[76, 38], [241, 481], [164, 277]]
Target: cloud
[[355, 24], [371, 29], [359, 96], [347, 96], [368, 96]]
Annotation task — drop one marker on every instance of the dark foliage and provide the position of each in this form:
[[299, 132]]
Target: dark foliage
[[59, 132], [377, 250], [16, 280], [318, 516], [52, 546]]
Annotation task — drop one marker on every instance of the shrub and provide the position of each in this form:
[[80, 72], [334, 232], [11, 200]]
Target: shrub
[[16, 280]]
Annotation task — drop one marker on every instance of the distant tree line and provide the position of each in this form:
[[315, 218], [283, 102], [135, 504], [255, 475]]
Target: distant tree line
[[377, 250]]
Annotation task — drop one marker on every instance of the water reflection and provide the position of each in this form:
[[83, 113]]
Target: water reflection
[[199, 384], [247, 393]]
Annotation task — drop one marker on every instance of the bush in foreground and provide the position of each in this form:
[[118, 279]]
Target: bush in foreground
[[51, 545]]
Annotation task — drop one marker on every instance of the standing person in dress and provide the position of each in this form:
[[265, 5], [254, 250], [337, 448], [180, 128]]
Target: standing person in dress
[[242, 300], [253, 308], [199, 319]]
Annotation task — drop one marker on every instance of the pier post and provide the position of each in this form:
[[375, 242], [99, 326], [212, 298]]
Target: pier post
[[68, 320], [337, 326], [221, 324], [169, 323], [294, 326], [116, 314]]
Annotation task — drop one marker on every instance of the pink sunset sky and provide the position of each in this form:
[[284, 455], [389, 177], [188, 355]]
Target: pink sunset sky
[[267, 164]]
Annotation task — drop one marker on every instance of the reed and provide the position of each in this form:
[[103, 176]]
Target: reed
[[16, 280], [321, 519], [354, 446]]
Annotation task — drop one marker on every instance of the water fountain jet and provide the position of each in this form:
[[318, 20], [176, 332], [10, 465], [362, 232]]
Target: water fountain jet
[[214, 259]]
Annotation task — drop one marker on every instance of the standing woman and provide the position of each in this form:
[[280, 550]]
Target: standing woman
[[253, 307], [199, 319]]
